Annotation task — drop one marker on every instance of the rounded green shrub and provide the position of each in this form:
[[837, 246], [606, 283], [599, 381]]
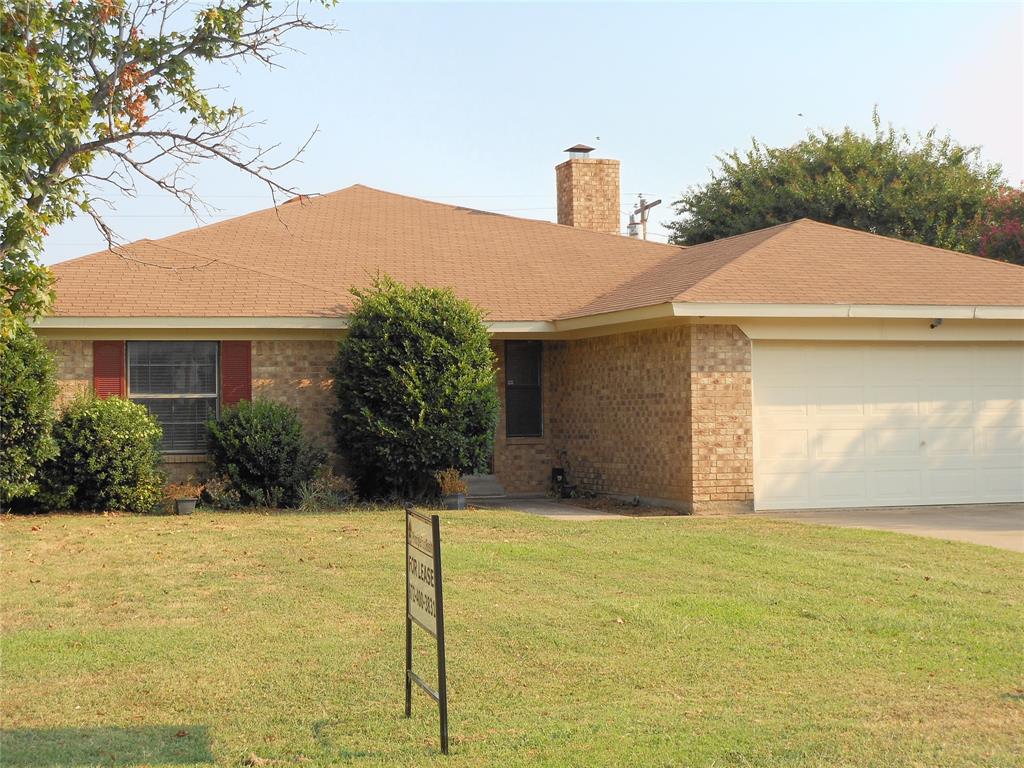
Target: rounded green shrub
[[259, 447], [416, 389], [108, 457], [27, 391]]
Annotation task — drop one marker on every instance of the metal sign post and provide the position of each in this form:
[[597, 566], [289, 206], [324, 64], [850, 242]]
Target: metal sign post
[[424, 605]]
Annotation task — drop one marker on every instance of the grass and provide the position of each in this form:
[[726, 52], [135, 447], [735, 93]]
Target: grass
[[249, 639]]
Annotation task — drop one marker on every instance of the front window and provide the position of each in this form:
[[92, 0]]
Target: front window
[[523, 408], [177, 382]]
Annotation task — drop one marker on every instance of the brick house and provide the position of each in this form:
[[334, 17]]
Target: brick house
[[804, 365]]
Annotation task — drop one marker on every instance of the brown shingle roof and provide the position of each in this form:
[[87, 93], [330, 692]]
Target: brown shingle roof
[[807, 262], [301, 260]]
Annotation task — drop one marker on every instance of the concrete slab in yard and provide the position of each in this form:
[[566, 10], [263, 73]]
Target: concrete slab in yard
[[996, 525]]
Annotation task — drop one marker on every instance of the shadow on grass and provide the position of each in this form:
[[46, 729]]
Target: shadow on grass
[[107, 746]]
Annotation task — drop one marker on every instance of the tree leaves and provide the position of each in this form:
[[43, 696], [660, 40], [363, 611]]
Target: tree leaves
[[928, 190], [117, 79], [416, 389]]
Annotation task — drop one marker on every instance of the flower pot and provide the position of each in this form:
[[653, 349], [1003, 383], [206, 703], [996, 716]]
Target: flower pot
[[185, 506], [454, 501]]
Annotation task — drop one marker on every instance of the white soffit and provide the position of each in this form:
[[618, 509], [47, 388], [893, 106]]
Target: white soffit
[[643, 315]]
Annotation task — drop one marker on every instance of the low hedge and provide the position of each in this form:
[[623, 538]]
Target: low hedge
[[260, 449], [108, 457]]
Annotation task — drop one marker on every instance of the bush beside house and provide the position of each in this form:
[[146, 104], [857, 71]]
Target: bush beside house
[[259, 448], [28, 388], [416, 389], [108, 457]]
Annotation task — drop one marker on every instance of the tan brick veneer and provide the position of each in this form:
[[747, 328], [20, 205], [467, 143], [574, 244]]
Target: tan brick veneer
[[293, 372], [588, 194], [522, 464], [663, 414], [298, 373], [619, 412], [74, 367], [721, 433]]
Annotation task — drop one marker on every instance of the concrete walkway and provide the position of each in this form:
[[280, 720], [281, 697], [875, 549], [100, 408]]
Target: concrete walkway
[[995, 525], [547, 508]]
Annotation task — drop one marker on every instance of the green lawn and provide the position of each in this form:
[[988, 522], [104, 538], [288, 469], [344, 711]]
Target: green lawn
[[276, 640]]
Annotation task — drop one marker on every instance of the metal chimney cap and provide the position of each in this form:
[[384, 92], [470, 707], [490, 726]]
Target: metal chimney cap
[[579, 149]]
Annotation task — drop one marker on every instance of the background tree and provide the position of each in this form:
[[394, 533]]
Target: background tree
[[1000, 226], [416, 389], [28, 387], [928, 190], [97, 94]]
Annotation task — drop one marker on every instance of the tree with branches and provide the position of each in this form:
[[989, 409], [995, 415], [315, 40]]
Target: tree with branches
[[99, 95], [927, 189], [1000, 226]]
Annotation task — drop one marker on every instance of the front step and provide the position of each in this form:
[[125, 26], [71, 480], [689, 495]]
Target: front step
[[484, 487]]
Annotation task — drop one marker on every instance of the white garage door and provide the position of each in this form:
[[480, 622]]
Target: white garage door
[[885, 424]]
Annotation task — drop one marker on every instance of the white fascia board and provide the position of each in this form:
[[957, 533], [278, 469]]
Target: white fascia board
[[521, 326], [695, 309], [999, 313], [896, 311], [641, 314], [923, 312], [247, 323], [214, 323], [545, 327]]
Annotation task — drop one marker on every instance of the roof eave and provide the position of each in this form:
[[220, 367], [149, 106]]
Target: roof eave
[[604, 320], [895, 311], [60, 322]]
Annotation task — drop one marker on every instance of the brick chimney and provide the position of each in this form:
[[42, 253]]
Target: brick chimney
[[588, 191]]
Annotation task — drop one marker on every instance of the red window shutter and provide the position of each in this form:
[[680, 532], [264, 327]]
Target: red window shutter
[[235, 371], [108, 368]]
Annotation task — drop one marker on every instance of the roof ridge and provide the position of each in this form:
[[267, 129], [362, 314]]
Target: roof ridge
[[692, 254], [452, 206], [307, 197], [781, 229], [947, 251], [780, 225], [315, 198], [247, 267], [204, 227]]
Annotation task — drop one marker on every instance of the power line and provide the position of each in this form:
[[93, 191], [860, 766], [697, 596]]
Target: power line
[[623, 195]]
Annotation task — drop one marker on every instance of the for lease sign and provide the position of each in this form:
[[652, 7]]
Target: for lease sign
[[419, 570]]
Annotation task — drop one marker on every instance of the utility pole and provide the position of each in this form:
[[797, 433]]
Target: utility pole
[[642, 209]]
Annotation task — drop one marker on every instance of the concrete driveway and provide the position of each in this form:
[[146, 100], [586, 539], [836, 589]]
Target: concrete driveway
[[996, 525]]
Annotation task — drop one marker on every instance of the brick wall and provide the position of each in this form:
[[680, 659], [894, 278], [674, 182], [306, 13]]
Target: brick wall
[[663, 414], [721, 434], [74, 367], [619, 412], [522, 464], [298, 373], [588, 194], [293, 372]]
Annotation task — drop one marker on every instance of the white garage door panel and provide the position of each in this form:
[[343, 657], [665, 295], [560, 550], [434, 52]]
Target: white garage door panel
[[849, 425]]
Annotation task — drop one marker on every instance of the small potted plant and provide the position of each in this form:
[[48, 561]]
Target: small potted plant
[[453, 488], [184, 495]]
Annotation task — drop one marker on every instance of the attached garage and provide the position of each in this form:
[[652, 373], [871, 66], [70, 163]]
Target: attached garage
[[875, 424]]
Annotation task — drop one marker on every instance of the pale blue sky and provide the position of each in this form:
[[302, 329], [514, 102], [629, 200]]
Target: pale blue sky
[[472, 103]]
